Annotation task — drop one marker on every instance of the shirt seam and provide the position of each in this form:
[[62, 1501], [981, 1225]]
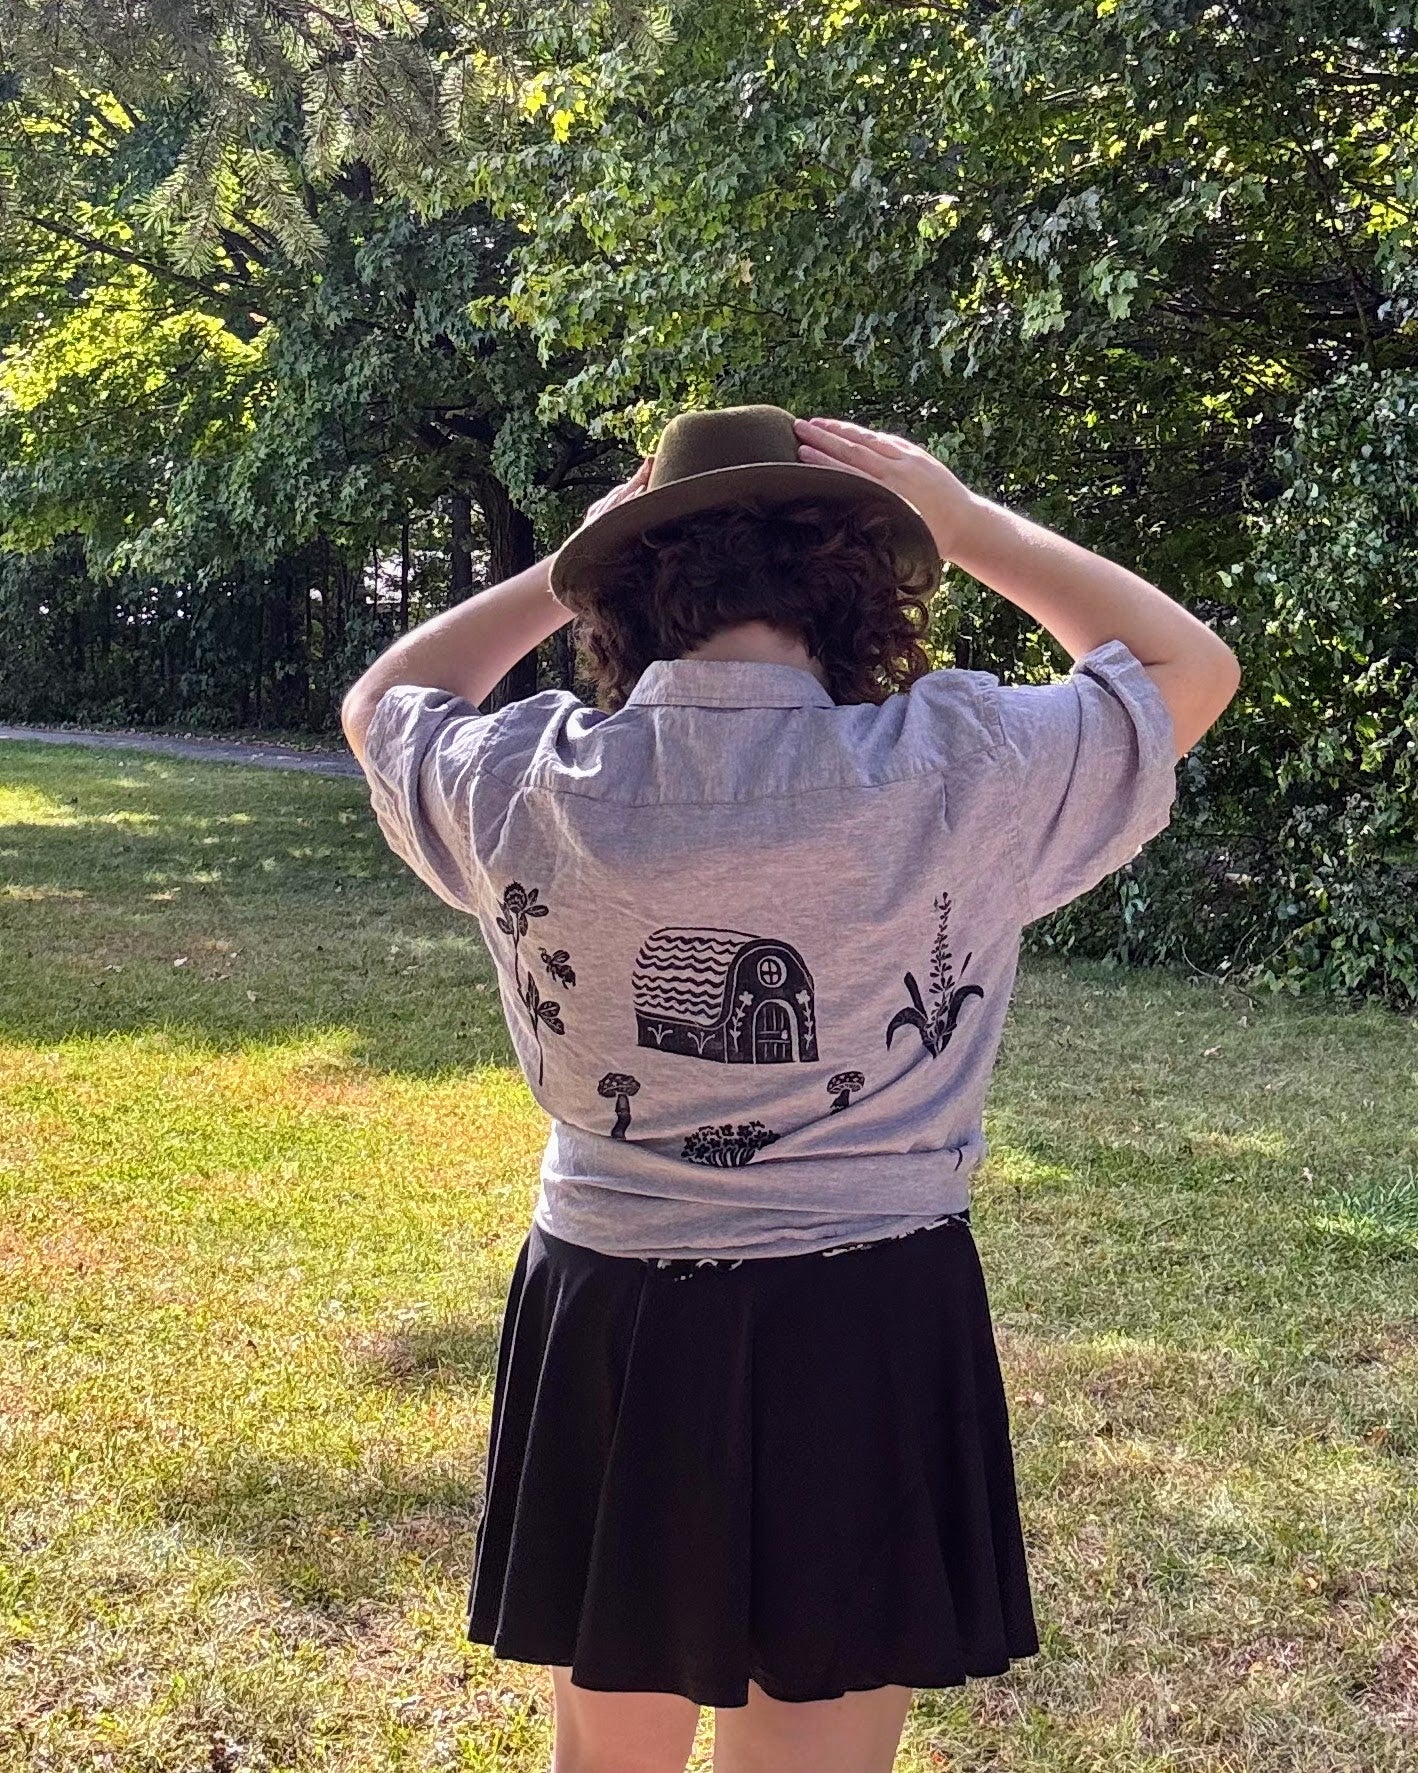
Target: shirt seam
[[729, 702], [929, 771]]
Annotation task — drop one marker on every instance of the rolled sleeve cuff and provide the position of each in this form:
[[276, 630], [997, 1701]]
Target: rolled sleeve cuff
[[417, 762]]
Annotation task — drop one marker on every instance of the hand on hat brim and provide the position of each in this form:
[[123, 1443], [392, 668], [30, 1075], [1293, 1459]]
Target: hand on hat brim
[[845, 445]]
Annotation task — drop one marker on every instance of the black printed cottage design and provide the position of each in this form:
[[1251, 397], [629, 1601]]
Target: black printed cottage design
[[724, 995], [937, 1024], [519, 905]]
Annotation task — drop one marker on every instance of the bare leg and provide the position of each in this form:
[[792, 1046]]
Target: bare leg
[[857, 1733], [620, 1732]]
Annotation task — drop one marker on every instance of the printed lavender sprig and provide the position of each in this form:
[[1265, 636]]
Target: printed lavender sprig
[[937, 1024]]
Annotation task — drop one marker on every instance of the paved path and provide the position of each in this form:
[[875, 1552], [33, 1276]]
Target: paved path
[[276, 757]]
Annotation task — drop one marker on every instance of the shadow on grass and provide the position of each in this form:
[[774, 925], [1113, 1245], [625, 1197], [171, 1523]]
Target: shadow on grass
[[1190, 1250], [453, 1355], [326, 1536], [75, 821], [334, 1536]]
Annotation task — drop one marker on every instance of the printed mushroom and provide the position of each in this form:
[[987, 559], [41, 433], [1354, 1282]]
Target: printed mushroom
[[622, 1086], [844, 1086]]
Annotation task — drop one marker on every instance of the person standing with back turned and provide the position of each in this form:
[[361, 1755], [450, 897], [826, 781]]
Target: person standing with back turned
[[755, 920]]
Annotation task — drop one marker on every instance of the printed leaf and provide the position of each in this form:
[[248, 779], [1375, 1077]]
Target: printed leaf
[[547, 1012], [908, 1018], [505, 925], [936, 1025], [537, 910]]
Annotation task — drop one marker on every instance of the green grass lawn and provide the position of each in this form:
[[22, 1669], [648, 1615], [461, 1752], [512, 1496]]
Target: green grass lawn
[[264, 1169]]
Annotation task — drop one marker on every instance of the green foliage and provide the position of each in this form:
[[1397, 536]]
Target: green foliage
[[243, 647], [1300, 812], [265, 100], [104, 406]]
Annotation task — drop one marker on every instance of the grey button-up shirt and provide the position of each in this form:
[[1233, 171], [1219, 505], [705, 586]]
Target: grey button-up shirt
[[755, 949]]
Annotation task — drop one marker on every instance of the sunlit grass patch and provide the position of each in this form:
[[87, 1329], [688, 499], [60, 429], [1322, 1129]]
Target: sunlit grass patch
[[26, 803], [1380, 1217]]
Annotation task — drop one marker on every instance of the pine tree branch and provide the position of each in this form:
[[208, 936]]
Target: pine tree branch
[[105, 249]]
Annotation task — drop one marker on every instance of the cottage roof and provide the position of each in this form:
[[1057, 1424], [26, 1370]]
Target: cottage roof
[[680, 973]]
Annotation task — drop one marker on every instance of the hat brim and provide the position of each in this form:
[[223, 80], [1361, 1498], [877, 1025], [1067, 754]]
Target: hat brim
[[587, 554]]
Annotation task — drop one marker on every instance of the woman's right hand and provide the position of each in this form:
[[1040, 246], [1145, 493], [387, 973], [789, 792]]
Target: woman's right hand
[[946, 503]]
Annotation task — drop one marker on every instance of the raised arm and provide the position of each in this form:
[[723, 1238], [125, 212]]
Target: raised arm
[[466, 650], [1080, 597]]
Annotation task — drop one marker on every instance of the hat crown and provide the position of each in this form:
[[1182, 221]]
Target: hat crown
[[722, 457], [723, 437]]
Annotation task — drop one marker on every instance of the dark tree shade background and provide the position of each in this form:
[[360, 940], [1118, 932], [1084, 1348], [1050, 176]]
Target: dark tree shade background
[[311, 322]]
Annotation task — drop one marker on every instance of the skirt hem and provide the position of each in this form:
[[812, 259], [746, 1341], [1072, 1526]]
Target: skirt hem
[[709, 1692]]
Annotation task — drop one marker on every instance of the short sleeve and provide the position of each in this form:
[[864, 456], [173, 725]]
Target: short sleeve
[[422, 751], [1091, 765]]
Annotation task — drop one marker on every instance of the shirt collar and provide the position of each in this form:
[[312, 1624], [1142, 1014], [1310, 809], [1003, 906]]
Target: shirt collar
[[727, 683]]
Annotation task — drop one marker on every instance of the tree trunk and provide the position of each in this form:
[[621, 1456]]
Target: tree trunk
[[404, 578], [305, 702], [563, 656], [325, 613], [512, 548], [260, 650], [460, 553]]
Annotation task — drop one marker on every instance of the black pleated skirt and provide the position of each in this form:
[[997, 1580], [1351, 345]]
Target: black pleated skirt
[[795, 1470]]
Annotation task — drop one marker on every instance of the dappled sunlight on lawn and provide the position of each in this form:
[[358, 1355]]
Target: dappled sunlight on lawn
[[137, 1117], [1008, 1166], [37, 895], [288, 920]]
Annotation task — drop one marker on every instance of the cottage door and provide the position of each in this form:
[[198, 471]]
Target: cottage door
[[772, 1033]]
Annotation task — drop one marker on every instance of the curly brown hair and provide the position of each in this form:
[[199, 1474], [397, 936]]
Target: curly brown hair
[[816, 569]]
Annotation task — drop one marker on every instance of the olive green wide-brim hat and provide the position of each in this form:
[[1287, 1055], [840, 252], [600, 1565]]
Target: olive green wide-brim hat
[[718, 457]]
